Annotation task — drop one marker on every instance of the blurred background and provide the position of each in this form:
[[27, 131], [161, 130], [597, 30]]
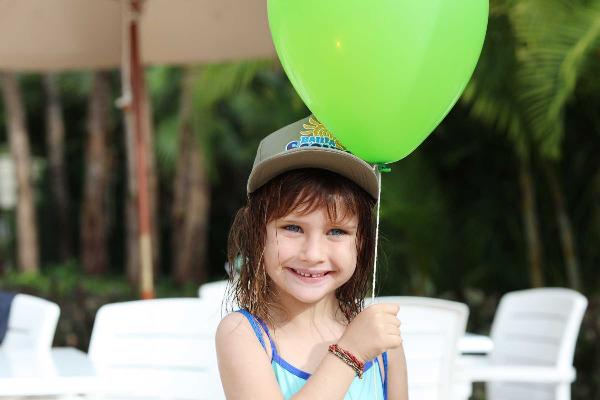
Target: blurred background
[[504, 195]]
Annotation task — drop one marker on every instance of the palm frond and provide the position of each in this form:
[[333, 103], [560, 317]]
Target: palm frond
[[216, 81], [556, 39], [490, 94], [165, 145]]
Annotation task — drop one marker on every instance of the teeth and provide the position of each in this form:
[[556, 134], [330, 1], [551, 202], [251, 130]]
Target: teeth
[[309, 275]]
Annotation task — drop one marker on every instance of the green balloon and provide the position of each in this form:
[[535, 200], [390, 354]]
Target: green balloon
[[380, 74]]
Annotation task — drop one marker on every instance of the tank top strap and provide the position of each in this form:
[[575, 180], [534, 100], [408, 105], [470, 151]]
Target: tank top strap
[[266, 329], [385, 374], [258, 326]]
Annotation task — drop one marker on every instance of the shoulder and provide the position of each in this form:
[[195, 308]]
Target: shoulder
[[244, 365], [235, 332], [232, 327], [233, 322]]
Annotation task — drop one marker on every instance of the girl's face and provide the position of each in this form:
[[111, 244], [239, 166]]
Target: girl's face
[[308, 256]]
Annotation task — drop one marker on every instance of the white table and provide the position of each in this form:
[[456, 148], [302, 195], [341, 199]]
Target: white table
[[59, 371], [475, 344], [479, 368]]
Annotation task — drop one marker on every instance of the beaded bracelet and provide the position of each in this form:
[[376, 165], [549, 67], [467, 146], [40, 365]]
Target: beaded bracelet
[[348, 358]]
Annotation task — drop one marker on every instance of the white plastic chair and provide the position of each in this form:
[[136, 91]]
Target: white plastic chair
[[534, 334], [213, 290], [159, 349], [431, 329], [31, 323]]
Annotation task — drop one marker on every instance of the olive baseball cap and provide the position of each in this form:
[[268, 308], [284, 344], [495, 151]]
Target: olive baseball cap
[[308, 144]]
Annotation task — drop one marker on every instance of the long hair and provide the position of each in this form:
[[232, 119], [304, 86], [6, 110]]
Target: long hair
[[302, 191]]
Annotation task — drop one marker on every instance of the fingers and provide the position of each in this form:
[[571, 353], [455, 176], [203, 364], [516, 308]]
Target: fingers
[[392, 328], [394, 321], [387, 308], [394, 341]]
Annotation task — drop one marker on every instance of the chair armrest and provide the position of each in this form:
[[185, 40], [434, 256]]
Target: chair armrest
[[475, 344], [481, 369]]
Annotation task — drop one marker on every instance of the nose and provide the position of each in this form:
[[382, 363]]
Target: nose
[[312, 250]]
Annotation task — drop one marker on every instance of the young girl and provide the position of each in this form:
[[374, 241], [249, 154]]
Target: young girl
[[305, 242]]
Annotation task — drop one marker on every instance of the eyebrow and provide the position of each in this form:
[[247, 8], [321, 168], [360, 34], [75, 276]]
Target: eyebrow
[[336, 224]]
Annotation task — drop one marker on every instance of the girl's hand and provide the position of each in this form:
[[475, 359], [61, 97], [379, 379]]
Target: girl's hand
[[374, 330]]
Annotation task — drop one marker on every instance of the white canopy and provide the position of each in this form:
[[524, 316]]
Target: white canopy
[[52, 35]]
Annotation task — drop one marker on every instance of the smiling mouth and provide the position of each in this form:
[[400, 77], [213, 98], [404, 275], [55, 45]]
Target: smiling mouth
[[309, 275]]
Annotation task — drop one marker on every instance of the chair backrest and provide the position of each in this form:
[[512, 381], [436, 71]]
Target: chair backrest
[[213, 290], [31, 323], [431, 329], [216, 293], [536, 327], [161, 349]]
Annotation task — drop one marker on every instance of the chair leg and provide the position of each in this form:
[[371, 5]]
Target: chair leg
[[563, 391], [462, 390]]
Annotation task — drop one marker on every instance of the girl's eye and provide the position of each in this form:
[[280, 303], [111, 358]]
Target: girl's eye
[[337, 232], [293, 228]]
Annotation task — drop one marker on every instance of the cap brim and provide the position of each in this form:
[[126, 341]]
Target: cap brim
[[336, 161]]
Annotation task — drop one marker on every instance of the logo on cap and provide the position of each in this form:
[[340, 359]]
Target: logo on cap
[[315, 134]]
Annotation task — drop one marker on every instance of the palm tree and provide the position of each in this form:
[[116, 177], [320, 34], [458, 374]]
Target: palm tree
[[55, 139], [191, 193], [532, 60], [94, 221], [184, 149], [27, 239], [201, 89]]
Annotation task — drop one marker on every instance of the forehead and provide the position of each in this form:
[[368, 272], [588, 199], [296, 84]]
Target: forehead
[[339, 217], [333, 207]]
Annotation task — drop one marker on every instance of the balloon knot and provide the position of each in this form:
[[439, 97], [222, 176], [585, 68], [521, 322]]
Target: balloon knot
[[384, 168]]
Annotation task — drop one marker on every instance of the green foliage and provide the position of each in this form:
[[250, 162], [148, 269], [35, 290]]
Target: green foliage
[[490, 94], [165, 145], [80, 296], [534, 54], [62, 279], [556, 39], [214, 82], [414, 223], [450, 224]]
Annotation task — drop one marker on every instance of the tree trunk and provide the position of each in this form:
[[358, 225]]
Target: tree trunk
[[27, 241], [55, 139], [530, 220], [94, 211], [567, 237], [191, 197]]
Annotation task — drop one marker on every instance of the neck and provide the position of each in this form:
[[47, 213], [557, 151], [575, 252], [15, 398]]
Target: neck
[[298, 314]]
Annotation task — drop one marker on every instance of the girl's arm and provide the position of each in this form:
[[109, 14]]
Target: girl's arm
[[398, 383], [243, 363], [246, 369]]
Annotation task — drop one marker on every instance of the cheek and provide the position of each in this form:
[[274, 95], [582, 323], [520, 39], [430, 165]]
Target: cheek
[[348, 257], [278, 249], [270, 256]]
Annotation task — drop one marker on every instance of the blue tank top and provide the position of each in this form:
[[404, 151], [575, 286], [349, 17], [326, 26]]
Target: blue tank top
[[372, 386]]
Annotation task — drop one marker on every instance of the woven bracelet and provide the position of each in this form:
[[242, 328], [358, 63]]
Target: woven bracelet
[[348, 358]]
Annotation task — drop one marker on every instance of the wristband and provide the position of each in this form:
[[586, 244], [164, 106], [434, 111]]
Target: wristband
[[348, 358]]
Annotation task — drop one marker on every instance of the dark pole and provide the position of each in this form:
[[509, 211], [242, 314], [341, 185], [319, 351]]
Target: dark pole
[[137, 89]]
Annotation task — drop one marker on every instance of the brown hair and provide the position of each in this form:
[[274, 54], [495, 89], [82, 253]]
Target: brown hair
[[301, 190]]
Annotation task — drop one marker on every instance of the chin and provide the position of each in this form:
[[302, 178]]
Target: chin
[[309, 297], [310, 294]]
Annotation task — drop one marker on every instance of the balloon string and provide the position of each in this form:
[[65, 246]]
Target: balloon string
[[378, 172], [378, 169]]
